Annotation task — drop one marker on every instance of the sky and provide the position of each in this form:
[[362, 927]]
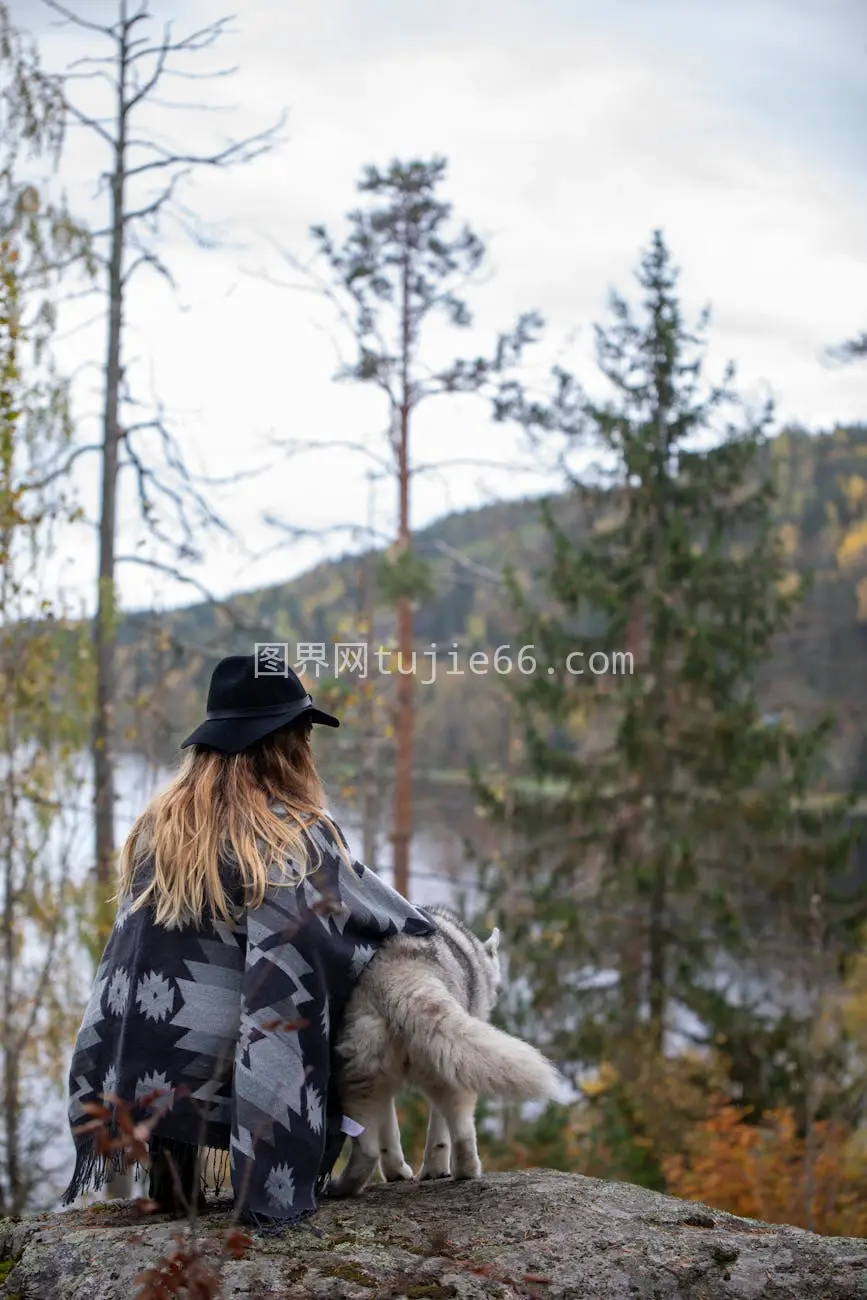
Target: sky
[[572, 130]]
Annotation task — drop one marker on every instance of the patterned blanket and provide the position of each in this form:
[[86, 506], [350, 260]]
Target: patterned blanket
[[234, 1023]]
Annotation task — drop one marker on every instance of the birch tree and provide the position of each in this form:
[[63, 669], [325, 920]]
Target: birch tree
[[41, 653]]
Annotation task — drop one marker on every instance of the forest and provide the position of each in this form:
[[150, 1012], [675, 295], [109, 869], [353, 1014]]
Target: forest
[[674, 853]]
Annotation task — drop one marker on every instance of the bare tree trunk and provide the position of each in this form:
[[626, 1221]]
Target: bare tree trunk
[[369, 781], [404, 724], [120, 1185], [105, 633]]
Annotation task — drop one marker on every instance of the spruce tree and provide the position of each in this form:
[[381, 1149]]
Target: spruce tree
[[667, 827]]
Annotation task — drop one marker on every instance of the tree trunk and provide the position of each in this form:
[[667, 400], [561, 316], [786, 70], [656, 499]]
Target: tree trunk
[[657, 953], [369, 772], [631, 955], [404, 722], [104, 632], [120, 1185], [403, 751]]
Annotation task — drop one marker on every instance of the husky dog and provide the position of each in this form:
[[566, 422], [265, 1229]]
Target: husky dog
[[418, 1017]]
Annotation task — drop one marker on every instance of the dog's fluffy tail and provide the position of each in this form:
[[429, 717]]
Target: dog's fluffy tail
[[441, 1038]]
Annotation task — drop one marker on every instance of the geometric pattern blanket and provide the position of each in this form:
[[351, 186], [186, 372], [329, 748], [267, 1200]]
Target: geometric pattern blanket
[[233, 1024]]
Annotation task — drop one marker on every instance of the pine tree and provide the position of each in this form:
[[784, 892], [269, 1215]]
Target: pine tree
[[403, 267], [667, 825]]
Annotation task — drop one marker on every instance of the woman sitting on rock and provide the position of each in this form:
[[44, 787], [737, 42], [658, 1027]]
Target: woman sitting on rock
[[229, 1016]]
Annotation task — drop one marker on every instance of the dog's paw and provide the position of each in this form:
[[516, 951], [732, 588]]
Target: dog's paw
[[428, 1173], [339, 1189], [402, 1174], [465, 1161]]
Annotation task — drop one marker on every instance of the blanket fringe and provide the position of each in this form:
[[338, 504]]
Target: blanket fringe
[[93, 1169]]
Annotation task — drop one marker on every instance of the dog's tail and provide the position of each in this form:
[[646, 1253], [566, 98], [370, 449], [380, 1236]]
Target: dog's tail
[[442, 1039]]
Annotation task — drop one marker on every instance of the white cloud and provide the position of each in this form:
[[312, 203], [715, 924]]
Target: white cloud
[[568, 141]]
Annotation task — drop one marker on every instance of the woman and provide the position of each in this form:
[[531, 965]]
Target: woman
[[230, 1015]]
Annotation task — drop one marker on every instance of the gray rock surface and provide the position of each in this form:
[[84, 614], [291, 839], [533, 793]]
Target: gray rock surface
[[532, 1233]]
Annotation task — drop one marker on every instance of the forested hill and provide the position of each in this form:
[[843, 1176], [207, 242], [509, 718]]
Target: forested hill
[[822, 484]]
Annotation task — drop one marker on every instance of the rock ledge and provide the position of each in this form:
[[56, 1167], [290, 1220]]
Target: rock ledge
[[532, 1233]]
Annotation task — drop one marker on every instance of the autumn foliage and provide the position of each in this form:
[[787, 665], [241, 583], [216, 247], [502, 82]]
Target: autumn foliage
[[768, 1171]]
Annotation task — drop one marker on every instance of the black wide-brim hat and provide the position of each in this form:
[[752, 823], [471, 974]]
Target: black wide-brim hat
[[250, 697]]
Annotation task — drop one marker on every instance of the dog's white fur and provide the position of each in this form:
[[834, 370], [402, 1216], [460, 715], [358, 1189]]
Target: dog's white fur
[[418, 1017]]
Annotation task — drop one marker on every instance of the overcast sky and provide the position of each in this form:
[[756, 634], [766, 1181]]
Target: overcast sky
[[572, 130]]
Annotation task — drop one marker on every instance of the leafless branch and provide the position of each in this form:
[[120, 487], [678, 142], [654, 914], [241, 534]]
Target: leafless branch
[[70, 16], [294, 532], [188, 106], [63, 469], [202, 39], [295, 447], [151, 487], [147, 257], [91, 76], [84, 120], [90, 59], [151, 82], [169, 570], [152, 208], [471, 566], [234, 153], [222, 481], [477, 463], [77, 329]]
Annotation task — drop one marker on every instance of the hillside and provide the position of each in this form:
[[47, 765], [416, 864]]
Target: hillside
[[822, 662]]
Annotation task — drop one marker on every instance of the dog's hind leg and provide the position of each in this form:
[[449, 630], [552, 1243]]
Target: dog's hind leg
[[372, 1113], [437, 1147], [394, 1167], [459, 1112]]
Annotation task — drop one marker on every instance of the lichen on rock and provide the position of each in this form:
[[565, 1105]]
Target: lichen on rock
[[531, 1233]]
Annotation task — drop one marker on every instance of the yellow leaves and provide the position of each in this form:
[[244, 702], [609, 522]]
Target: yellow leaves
[[476, 629], [788, 534], [861, 598], [789, 584], [853, 546], [606, 1077], [854, 488]]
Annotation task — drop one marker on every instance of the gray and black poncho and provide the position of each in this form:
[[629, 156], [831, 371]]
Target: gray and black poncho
[[191, 1010]]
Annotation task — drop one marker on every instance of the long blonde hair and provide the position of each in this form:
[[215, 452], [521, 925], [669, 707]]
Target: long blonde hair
[[249, 809]]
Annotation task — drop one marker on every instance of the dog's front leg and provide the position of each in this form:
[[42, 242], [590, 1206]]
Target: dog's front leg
[[394, 1166], [459, 1112], [437, 1148]]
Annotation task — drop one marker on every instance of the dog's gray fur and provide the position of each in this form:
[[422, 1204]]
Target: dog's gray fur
[[418, 1018]]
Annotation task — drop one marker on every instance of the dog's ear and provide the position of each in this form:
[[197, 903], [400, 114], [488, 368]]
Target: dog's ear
[[492, 945]]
